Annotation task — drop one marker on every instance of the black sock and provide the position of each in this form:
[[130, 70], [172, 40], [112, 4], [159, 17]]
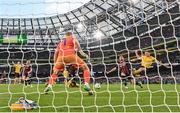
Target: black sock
[[29, 82], [125, 82], [139, 84], [25, 82]]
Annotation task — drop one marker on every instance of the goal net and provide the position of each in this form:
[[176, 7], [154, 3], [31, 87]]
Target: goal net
[[130, 47]]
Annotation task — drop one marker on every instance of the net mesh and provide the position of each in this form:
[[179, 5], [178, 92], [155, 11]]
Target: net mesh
[[107, 30]]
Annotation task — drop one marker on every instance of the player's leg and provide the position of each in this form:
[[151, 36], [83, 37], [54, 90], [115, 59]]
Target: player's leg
[[58, 68], [124, 81], [138, 83], [51, 81], [25, 80], [124, 78], [74, 59], [16, 78], [19, 78], [135, 81], [29, 80], [72, 73], [138, 71], [66, 78], [24, 77], [86, 74]]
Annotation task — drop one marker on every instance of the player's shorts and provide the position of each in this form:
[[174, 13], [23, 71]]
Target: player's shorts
[[25, 74], [17, 75], [128, 77], [153, 68], [69, 59]]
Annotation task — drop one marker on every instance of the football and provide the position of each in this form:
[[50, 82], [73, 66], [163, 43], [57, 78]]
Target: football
[[97, 85]]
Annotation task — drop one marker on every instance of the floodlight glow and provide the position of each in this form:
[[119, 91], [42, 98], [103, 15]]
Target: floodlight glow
[[135, 1], [98, 34], [61, 29], [80, 26]]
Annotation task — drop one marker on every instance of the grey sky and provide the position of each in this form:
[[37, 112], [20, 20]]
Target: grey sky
[[37, 8]]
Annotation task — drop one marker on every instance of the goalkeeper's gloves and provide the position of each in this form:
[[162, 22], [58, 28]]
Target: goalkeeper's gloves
[[83, 54]]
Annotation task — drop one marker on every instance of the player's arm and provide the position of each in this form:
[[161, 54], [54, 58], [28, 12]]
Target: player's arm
[[56, 54], [138, 57], [112, 70], [13, 64], [77, 45], [162, 64], [23, 65]]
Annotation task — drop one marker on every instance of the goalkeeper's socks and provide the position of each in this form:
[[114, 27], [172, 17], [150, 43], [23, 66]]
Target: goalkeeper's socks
[[53, 79], [86, 74], [47, 88]]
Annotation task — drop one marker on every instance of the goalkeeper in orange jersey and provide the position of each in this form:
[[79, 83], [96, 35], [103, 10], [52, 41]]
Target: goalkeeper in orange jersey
[[65, 53]]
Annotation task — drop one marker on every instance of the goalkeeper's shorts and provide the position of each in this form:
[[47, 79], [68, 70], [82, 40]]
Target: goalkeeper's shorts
[[69, 59]]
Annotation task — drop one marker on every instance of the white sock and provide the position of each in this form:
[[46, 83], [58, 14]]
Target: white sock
[[49, 86], [86, 84]]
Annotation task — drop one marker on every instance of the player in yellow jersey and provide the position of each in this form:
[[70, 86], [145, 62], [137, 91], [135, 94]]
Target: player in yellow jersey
[[69, 77], [66, 75], [18, 71], [147, 62]]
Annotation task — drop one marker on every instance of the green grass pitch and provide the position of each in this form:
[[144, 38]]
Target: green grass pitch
[[109, 98]]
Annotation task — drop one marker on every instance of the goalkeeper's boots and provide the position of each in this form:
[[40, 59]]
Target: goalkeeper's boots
[[88, 89], [47, 89]]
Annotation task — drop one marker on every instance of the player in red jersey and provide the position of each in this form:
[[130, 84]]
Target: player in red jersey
[[66, 53], [27, 71], [124, 72]]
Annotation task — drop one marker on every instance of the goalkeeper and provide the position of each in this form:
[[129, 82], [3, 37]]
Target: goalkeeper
[[65, 53]]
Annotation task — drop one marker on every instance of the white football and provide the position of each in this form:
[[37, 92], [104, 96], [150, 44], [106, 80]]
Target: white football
[[97, 85]]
